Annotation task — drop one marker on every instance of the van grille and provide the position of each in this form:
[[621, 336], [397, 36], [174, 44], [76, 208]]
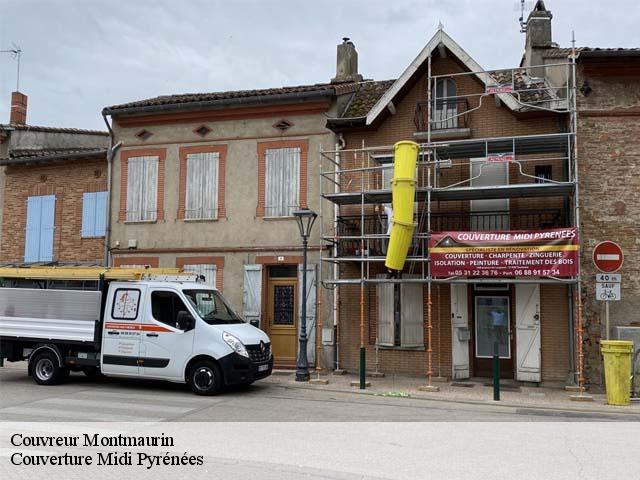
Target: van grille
[[257, 355]]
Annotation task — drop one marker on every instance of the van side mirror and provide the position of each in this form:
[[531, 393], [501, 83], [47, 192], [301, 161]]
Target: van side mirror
[[185, 321], [254, 322]]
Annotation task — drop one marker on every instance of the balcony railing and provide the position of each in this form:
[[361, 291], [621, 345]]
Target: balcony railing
[[447, 113], [349, 226]]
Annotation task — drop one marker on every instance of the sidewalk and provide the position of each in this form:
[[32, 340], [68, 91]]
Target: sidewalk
[[478, 393]]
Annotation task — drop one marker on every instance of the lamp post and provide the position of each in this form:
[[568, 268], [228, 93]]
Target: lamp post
[[305, 219]]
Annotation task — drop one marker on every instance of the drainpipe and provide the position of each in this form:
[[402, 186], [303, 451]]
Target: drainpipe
[[110, 154], [336, 269]]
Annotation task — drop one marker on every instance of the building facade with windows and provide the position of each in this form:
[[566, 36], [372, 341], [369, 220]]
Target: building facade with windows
[[499, 151], [54, 192], [209, 183]]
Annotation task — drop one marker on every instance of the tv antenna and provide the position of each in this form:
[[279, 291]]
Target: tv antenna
[[16, 53], [523, 24]]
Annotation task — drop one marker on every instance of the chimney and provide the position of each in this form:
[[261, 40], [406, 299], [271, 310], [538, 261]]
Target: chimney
[[538, 36], [347, 63], [18, 108]]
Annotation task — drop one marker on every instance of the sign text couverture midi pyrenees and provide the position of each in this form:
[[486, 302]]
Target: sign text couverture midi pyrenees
[[516, 253]]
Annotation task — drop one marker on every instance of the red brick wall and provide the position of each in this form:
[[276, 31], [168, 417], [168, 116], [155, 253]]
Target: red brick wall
[[67, 181]]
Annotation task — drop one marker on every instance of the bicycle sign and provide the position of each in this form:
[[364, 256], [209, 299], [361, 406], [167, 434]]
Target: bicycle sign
[[608, 287]]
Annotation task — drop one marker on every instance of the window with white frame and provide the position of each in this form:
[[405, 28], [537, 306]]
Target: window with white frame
[[142, 189], [205, 271], [201, 201], [282, 181]]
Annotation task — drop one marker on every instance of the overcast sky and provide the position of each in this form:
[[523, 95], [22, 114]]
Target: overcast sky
[[82, 55]]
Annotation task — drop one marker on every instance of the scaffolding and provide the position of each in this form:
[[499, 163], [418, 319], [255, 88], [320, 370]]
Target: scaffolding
[[355, 182]]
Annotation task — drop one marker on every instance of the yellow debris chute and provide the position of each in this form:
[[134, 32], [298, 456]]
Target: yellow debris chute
[[403, 188]]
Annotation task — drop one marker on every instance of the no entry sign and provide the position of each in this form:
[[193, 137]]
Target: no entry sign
[[608, 257]]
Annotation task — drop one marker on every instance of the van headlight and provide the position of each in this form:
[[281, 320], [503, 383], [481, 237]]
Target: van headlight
[[235, 344]]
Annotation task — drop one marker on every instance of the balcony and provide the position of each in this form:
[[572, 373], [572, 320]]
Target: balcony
[[450, 119], [375, 227]]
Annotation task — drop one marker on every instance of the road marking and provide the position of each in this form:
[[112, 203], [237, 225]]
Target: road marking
[[51, 414]]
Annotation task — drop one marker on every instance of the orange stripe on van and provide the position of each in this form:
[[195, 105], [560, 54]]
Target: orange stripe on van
[[146, 327]]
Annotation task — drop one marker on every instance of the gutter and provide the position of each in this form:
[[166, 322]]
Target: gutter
[[254, 100], [110, 154], [340, 123]]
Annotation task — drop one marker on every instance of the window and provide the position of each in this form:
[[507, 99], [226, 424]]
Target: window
[[282, 179], [203, 270], [94, 214], [211, 307], [543, 173], [165, 307], [38, 245], [125, 304], [142, 189], [400, 315], [445, 105], [202, 186]]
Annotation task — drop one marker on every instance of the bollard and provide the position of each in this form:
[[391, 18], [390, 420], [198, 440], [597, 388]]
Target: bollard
[[362, 368], [496, 372]]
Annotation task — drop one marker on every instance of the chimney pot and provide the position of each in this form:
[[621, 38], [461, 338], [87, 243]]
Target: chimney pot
[[18, 114]]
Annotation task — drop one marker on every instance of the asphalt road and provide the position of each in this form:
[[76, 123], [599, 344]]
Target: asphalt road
[[109, 400]]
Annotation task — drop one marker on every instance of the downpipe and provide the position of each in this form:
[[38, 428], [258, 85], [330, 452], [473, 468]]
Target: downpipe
[[110, 154]]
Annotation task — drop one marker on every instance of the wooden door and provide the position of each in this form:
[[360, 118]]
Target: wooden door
[[282, 319]]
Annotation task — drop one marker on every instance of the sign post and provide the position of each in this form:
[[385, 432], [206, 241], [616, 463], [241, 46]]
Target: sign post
[[608, 258]]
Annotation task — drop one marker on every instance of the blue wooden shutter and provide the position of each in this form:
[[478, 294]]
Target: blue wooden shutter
[[47, 226], [88, 214], [32, 239], [101, 213]]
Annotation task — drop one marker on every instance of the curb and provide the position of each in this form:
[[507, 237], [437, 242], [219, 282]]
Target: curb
[[491, 403]]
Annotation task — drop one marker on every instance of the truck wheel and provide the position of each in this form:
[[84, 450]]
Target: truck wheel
[[205, 378], [46, 370]]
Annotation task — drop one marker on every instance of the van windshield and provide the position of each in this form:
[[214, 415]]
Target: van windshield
[[211, 307]]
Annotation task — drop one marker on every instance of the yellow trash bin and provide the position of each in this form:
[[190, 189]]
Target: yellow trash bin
[[617, 370]]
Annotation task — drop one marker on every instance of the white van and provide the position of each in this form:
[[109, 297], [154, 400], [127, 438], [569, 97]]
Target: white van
[[169, 330]]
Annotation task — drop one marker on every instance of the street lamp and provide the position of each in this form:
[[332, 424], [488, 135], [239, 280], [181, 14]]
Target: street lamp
[[305, 219]]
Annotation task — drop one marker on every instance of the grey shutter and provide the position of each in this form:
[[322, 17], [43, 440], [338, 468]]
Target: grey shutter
[[386, 312], [412, 315], [208, 271], [202, 186], [151, 188], [252, 293], [282, 174], [311, 308]]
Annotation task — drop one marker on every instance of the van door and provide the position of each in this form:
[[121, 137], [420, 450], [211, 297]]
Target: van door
[[165, 347], [122, 330]]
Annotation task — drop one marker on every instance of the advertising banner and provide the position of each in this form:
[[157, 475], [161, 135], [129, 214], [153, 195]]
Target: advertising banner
[[517, 253]]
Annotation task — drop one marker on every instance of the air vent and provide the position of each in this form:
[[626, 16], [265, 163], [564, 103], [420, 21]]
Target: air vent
[[202, 130], [143, 134], [283, 125]]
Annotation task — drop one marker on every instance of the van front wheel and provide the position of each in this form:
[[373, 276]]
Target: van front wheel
[[205, 378]]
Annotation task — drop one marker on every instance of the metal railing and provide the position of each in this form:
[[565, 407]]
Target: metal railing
[[446, 113], [375, 226]]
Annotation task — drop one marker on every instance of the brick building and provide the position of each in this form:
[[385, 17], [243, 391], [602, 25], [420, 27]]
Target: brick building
[[463, 115], [53, 191]]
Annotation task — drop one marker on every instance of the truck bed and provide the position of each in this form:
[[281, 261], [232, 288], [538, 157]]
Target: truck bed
[[47, 314]]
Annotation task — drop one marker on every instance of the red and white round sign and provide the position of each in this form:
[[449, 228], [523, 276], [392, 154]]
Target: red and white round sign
[[608, 256]]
